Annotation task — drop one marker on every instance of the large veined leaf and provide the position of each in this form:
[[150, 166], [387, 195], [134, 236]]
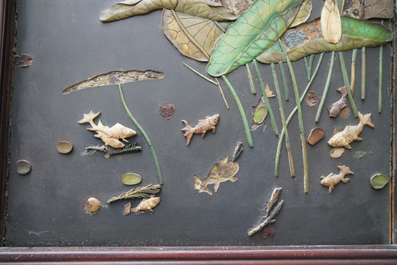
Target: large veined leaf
[[194, 37], [254, 31], [303, 14], [307, 40], [200, 8]]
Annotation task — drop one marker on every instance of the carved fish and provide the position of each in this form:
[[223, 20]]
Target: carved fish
[[201, 128], [350, 133], [331, 180], [220, 172], [110, 136], [146, 205], [340, 104]]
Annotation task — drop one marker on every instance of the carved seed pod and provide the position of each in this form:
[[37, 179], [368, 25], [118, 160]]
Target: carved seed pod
[[95, 204], [23, 167], [337, 152], [167, 111], [131, 179], [64, 147], [316, 134]]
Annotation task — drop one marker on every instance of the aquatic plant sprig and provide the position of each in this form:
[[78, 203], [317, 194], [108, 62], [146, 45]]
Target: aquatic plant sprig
[[363, 72], [281, 107], [242, 113], [353, 71], [300, 119], [143, 133], [252, 85], [284, 78], [280, 141], [347, 84], [326, 88], [265, 97]]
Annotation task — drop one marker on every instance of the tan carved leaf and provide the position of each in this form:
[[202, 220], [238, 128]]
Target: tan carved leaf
[[331, 24], [194, 37]]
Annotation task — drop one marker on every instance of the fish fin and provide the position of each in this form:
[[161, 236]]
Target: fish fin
[[358, 139], [124, 140], [213, 129], [207, 117], [233, 179], [345, 180], [216, 186], [203, 134], [201, 122], [335, 131], [322, 177], [348, 146], [223, 160], [331, 188], [329, 110]]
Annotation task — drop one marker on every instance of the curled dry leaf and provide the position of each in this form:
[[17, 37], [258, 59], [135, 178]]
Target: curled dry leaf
[[312, 99], [23, 60], [315, 135], [331, 25], [303, 13], [95, 204]]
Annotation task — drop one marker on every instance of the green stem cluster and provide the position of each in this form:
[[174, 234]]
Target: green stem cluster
[[320, 107], [347, 84]]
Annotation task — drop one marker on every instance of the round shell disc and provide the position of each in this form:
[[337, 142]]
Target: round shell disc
[[23, 167], [378, 181], [131, 179], [64, 147]]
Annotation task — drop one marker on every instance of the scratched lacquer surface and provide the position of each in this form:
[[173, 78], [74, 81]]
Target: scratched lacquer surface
[[69, 44]]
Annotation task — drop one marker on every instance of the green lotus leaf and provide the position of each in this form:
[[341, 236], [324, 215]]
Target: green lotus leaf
[[200, 8], [194, 37], [303, 14], [306, 39], [253, 32]]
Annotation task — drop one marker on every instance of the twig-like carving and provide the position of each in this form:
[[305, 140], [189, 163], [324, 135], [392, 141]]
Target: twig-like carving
[[140, 192]]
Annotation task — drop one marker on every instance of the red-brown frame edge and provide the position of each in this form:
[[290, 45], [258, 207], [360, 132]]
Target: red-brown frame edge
[[368, 254]]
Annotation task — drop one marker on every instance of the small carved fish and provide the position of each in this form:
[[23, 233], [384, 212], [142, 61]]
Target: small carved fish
[[201, 128], [220, 172], [340, 104], [110, 136], [331, 180], [350, 133], [146, 205]]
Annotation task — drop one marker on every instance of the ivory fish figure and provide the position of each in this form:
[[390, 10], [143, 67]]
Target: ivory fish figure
[[110, 136], [350, 133], [146, 205], [201, 128], [220, 172], [331, 180], [340, 104]]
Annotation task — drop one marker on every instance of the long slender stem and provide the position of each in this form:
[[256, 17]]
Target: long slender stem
[[287, 143], [380, 78], [242, 113], [280, 141], [320, 108], [307, 69], [269, 108], [143, 133], [206, 78], [311, 65], [300, 119], [252, 85], [284, 78], [347, 84], [223, 95], [353, 71], [363, 72]]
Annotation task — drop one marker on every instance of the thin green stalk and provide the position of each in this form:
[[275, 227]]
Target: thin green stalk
[[347, 84], [353, 71], [300, 119], [363, 72], [242, 113], [284, 78], [380, 78], [196, 72], [269, 108], [252, 85], [143, 133], [320, 108], [280, 141], [307, 69], [287, 143], [311, 65]]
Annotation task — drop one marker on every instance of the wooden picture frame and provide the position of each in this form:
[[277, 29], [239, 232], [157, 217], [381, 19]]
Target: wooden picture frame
[[351, 254]]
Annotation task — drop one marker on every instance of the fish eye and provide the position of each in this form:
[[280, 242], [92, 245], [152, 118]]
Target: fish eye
[[337, 142]]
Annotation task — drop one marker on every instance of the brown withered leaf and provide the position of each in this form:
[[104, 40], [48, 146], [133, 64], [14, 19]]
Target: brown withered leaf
[[194, 37], [269, 93], [331, 25], [379, 9]]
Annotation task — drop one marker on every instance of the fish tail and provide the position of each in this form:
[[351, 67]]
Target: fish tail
[[366, 119], [188, 130], [342, 91], [89, 118]]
